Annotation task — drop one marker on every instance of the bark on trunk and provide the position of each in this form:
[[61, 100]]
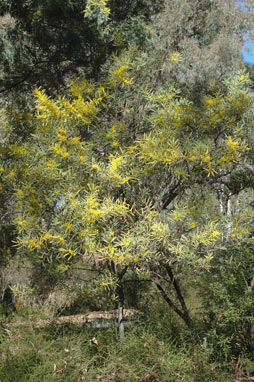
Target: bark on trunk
[[179, 295], [181, 314]]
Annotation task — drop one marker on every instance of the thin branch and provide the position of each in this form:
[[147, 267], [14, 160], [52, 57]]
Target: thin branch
[[122, 273], [88, 269], [137, 281], [178, 293], [170, 303], [16, 83]]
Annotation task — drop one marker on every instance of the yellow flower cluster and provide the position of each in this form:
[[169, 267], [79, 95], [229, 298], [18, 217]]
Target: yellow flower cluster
[[18, 150], [51, 164], [214, 235], [79, 87], [156, 147], [115, 163], [44, 104], [34, 244], [175, 57], [95, 166], [232, 145], [207, 160], [212, 101], [244, 77], [114, 134], [114, 168], [59, 151], [101, 5], [121, 74]]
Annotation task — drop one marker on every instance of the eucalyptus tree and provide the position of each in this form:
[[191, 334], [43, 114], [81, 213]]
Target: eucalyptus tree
[[207, 38]]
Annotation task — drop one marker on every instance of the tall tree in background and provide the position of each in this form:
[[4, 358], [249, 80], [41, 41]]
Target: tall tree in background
[[44, 43], [207, 38]]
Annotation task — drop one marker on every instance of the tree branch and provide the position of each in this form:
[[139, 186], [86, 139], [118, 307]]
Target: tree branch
[[16, 83], [178, 293], [170, 303]]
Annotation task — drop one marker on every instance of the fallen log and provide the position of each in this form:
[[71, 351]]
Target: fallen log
[[99, 319]]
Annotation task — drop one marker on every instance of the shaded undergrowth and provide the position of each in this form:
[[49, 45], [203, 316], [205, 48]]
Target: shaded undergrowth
[[79, 354]]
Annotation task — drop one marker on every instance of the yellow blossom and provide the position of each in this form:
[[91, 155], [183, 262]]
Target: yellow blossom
[[176, 215], [126, 243], [62, 131], [47, 236], [205, 158], [96, 167], [121, 74], [51, 164], [111, 249], [60, 238], [95, 212], [175, 57], [232, 145], [226, 159], [61, 137], [212, 101], [244, 77], [68, 226], [19, 150], [46, 104], [214, 235], [115, 163], [82, 159], [126, 179], [34, 244], [59, 151], [20, 194], [76, 141]]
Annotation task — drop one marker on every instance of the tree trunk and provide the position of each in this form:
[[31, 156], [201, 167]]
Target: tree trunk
[[179, 295], [120, 321], [120, 296], [181, 314]]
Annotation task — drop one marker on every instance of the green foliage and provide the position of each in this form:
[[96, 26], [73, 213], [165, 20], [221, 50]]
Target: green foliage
[[206, 38], [48, 42], [228, 302], [73, 355], [99, 183], [143, 171]]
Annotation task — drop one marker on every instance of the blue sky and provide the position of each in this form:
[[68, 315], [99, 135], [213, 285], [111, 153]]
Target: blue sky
[[248, 48], [248, 56]]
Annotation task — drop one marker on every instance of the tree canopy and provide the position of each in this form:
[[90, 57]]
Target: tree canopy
[[44, 43]]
